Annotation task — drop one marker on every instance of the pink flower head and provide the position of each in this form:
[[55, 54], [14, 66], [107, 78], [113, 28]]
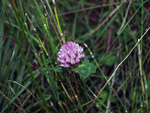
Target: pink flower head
[[70, 54]]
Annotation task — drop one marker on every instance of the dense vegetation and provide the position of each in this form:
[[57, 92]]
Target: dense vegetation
[[114, 75]]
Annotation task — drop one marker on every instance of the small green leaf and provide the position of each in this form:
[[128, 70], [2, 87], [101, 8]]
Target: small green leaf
[[91, 67], [83, 71], [135, 111], [85, 62], [103, 98], [113, 98], [58, 68], [111, 60]]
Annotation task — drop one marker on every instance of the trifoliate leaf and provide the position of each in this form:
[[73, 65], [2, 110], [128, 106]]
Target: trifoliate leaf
[[83, 71], [91, 67], [85, 62]]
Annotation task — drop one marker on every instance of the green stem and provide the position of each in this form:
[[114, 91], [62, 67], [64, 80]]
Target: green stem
[[63, 38]]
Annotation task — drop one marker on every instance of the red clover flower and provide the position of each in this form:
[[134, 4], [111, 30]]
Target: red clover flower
[[70, 54]]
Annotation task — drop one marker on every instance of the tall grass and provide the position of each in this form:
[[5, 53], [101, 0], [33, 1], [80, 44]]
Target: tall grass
[[115, 37]]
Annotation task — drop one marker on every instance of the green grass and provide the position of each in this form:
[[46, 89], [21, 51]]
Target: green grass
[[115, 37]]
